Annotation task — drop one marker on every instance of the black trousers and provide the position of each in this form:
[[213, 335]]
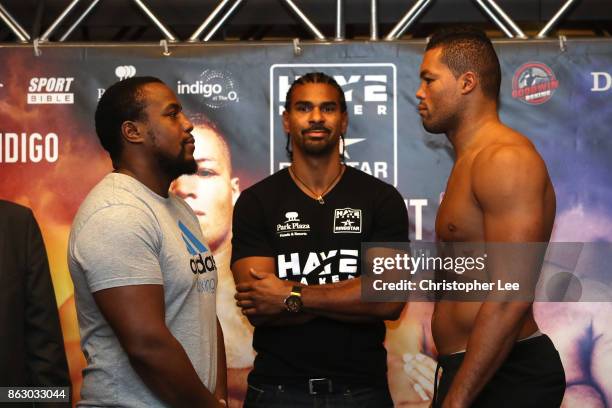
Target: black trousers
[[531, 376]]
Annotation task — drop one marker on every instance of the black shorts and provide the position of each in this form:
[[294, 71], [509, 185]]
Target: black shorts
[[531, 376]]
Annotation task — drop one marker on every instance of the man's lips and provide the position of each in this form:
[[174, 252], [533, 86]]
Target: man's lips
[[316, 132]]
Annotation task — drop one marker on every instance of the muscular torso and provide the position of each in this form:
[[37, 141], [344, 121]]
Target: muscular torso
[[460, 219]]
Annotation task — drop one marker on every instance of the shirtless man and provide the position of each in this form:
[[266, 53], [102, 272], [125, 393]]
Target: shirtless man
[[492, 353]]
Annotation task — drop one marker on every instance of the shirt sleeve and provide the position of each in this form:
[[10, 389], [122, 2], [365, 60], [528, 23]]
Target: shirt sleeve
[[119, 246], [391, 217], [249, 236]]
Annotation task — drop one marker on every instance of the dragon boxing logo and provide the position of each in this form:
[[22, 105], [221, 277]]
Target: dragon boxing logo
[[534, 83]]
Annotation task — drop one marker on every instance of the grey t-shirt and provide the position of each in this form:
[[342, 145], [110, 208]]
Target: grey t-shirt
[[125, 234]]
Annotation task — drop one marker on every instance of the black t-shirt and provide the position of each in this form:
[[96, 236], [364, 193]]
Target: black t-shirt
[[318, 244]]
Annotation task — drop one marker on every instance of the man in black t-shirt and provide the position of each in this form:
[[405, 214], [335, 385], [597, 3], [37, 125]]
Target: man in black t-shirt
[[296, 259]]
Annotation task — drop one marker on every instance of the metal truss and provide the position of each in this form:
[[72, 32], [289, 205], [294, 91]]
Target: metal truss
[[21, 34], [169, 36], [226, 9], [490, 8]]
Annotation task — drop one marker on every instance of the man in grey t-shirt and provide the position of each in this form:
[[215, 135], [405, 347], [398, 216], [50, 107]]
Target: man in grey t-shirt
[[144, 277]]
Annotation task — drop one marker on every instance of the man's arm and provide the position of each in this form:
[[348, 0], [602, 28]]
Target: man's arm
[[256, 308], [509, 184], [221, 386], [261, 296], [154, 353]]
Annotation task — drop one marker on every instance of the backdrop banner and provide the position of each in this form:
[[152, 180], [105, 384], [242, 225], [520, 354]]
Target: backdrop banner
[[558, 96]]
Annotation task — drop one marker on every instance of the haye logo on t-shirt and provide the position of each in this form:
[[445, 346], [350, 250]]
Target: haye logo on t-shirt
[[199, 264], [319, 267], [347, 220]]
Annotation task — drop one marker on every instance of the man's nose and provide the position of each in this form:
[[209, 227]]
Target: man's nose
[[315, 115], [420, 94]]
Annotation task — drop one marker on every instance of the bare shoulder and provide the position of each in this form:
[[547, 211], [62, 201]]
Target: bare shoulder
[[509, 164]]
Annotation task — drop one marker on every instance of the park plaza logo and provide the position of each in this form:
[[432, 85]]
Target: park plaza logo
[[347, 220], [534, 83], [199, 264], [292, 226], [50, 91]]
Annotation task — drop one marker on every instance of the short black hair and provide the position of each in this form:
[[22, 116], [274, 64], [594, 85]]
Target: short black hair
[[316, 78], [122, 101], [469, 49]]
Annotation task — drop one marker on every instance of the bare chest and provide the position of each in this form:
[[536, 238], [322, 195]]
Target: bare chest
[[459, 217]]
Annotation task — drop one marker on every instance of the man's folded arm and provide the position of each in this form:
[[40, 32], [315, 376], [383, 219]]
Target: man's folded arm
[[262, 298], [264, 265], [154, 353]]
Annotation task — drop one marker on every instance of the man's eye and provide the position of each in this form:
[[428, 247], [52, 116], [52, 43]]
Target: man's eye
[[328, 109], [206, 173], [303, 108]]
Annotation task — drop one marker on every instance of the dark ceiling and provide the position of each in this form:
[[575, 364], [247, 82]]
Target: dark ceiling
[[122, 20]]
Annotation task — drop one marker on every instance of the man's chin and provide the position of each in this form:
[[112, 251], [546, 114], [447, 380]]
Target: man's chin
[[184, 168], [432, 128]]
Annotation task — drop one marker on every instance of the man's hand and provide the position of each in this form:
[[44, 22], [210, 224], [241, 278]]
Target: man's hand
[[265, 295]]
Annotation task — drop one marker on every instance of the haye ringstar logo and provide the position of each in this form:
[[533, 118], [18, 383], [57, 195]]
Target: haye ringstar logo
[[347, 220], [534, 83], [199, 264]]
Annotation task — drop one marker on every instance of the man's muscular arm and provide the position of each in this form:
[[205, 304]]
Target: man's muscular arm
[[154, 353], [509, 184]]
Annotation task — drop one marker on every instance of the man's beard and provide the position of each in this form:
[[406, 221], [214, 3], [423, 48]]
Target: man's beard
[[441, 125], [177, 166], [317, 148]]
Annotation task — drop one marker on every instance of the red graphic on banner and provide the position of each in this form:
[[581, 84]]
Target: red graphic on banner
[[534, 83]]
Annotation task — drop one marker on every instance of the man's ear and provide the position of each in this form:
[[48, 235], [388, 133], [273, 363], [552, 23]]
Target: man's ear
[[344, 123], [131, 132], [235, 184], [285, 121], [468, 82]]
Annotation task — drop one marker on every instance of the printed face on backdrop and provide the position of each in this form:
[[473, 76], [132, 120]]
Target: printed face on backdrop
[[315, 120], [211, 192], [438, 94], [168, 130]]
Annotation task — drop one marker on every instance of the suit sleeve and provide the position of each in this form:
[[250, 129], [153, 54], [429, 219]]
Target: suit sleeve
[[46, 358]]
